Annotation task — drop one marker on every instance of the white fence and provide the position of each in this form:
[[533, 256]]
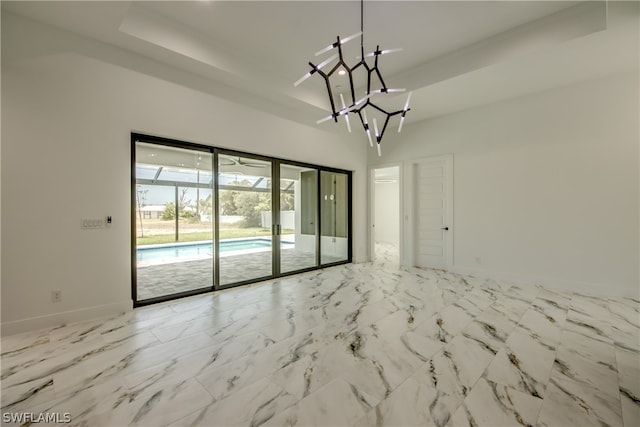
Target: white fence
[[287, 219]]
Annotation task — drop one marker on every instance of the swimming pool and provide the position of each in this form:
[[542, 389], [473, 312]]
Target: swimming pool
[[202, 249]]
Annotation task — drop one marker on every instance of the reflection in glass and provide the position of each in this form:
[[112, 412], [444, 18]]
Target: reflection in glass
[[174, 221], [298, 212], [245, 223], [334, 217]]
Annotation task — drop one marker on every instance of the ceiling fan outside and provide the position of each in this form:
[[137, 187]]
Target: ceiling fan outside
[[239, 162]]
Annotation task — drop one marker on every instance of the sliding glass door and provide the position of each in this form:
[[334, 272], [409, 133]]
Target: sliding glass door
[[205, 218], [298, 218], [334, 217], [174, 221], [245, 244]]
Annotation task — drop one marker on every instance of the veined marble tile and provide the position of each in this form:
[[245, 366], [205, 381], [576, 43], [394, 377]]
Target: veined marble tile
[[456, 368], [83, 403], [22, 365], [552, 307], [414, 403], [204, 324], [630, 410], [336, 404], [571, 403], [21, 397], [152, 313], [514, 309], [490, 404], [314, 370], [222, 380], [626, 309], [422, 347], [386, 345], [597, 374], [117, 331], [253, 405], [559, 300], [156, 406], [523, 292], [20, 344], [288, 323], [475, 302], [369, 381], [594, 306], [197, 364], [491, 327], [420, 295], [589, 325], [589, 348], [445, 325], [92, 352], [541, 326], [394, 359], [524, 364], [628, 363], [625, 323], [112, 364], [80, 331], [194, 302]]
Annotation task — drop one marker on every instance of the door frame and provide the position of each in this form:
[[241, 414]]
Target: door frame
[[372, 207], [410, 206], [275, 168]]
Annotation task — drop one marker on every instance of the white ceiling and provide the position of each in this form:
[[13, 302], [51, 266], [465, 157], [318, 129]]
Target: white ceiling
[[456, 55]]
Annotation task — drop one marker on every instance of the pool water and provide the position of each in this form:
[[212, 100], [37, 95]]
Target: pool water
[[201, 249]]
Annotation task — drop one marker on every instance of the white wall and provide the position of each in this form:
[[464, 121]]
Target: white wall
[[66, 123], [545, 186], [387, 212]]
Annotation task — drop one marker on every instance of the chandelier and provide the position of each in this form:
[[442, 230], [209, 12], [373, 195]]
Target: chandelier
[[358, 106]]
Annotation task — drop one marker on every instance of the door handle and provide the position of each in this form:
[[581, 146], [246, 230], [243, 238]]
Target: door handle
[[444, 228]]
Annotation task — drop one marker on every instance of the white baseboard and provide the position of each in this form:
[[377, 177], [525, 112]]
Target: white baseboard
[[65, 317], [553, 284]]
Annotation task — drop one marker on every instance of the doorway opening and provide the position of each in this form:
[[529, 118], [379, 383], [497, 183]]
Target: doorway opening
[[385, 221]]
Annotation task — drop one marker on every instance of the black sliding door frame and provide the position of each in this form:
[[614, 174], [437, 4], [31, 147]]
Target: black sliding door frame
[[215, 186]]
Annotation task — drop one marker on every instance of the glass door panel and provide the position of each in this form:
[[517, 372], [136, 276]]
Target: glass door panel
[[174, 226], [245, 245], [334, 217], [298, 217]]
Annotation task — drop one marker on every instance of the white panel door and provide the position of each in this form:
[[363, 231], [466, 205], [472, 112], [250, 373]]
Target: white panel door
[[433, 214]]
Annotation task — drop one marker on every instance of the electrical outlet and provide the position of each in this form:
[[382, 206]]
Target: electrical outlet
[[56, 296]]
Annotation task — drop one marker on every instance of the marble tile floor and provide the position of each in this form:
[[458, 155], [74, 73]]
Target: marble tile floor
[[353, 345]]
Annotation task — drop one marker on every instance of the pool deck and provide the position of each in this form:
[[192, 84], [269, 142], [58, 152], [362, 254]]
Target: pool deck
[[170, 278]]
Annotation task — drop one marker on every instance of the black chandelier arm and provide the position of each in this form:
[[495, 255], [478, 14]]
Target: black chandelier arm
[[384, 127], [382, 83], [352, 88], [339, 50], [333, 105], [358, 106]]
